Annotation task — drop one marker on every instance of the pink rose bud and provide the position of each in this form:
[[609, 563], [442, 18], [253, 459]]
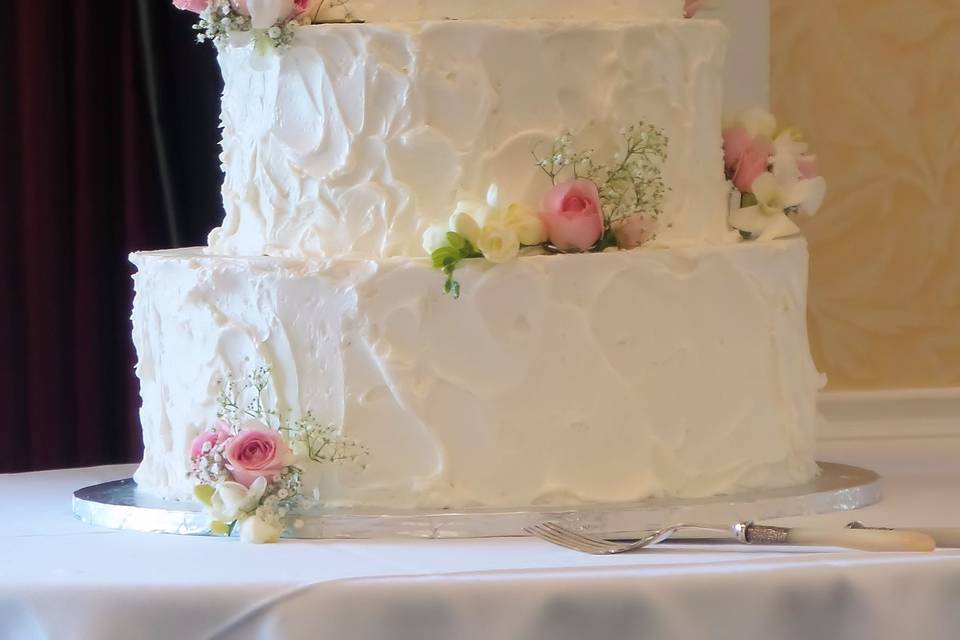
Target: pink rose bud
[[219, 435], [634, 231], [753, 162], [191, 5], [572, 214], [807, 164], [256, 451]]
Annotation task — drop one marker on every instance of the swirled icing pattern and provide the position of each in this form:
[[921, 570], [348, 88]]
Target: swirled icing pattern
[[592, 377], [360, 136]]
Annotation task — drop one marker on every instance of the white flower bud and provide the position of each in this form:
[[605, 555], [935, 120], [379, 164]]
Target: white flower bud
[[498, 242], [435, 237]]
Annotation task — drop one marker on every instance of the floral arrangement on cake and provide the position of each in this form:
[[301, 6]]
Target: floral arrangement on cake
[[772, 175], [592, 206], [272, 23], [249, 465]]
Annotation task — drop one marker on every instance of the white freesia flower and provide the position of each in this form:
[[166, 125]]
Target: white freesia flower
[[266, 13], [255, 529], [498, 242], [466, 220], [787, 150], [435, 237], [758, 122], [525, 222], [232, 499], [767, 219], [807, 195]]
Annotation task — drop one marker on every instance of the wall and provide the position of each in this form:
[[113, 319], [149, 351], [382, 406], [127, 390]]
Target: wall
[[876, 86]]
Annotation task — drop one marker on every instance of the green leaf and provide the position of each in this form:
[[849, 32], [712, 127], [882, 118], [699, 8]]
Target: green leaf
[[747, 200], [457, 241], [444, 257], [204, 494]]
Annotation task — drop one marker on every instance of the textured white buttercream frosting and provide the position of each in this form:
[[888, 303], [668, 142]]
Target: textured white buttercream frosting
[[360, 136], [555, 379], [412, 10]]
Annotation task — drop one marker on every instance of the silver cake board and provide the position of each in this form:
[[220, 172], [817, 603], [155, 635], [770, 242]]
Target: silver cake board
[[120, 505]]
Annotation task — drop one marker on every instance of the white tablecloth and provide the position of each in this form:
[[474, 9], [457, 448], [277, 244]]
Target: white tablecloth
[[62, 579]]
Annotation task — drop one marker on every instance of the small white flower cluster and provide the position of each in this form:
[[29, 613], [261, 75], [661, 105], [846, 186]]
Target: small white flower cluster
[[482, 229], [220, 21], [211, 466], [311, 440]]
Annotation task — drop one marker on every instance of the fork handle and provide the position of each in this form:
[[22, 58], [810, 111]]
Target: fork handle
[[863, 539]]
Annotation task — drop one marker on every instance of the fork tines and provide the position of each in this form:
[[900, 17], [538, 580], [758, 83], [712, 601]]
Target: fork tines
[[558, 535]]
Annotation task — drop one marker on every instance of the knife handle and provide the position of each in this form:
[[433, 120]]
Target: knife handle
[[863, 539], [943, 536]]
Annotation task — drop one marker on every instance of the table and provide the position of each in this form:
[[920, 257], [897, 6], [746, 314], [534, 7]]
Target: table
[[62, 579]]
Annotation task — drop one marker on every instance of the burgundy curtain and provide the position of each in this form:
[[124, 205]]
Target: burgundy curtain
[[79, 190]]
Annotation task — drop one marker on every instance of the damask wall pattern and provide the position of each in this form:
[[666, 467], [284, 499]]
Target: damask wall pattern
[[876, 86]]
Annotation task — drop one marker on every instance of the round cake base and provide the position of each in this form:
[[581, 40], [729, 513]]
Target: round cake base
[[119, 505]]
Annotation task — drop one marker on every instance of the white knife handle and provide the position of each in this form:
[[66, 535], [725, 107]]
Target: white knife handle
[[862, 539], [943, 536]]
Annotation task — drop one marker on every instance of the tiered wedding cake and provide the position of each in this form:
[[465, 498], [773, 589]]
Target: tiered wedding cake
[[563, 371]]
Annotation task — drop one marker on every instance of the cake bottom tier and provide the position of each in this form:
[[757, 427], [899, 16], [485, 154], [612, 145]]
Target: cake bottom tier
[[554, 379]]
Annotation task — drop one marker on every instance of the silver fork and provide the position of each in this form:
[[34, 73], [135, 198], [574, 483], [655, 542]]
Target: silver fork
[[552, 532]]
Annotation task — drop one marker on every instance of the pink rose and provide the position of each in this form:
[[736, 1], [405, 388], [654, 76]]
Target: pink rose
[[690, 7], [736, 141], [256, 451], [240, 6], [634, 231], [807, 164], [572, 214], [299, 6], [752, 163], [219, 435], [191, 5]]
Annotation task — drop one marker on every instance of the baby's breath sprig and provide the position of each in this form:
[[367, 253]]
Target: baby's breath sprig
[[239, 401], [219, 20], [563, 155], [320, 442]]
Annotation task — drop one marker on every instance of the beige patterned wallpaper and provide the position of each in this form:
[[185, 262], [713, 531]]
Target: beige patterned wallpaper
[[876, 86]]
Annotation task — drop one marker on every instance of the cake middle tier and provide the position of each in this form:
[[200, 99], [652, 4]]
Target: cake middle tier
[[599, 377], [359, 136]]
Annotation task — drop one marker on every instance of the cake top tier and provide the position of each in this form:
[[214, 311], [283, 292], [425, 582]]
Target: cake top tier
[[425, 10]]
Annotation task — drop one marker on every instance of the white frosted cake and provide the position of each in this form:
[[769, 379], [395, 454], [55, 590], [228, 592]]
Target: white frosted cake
[[652, 351]]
